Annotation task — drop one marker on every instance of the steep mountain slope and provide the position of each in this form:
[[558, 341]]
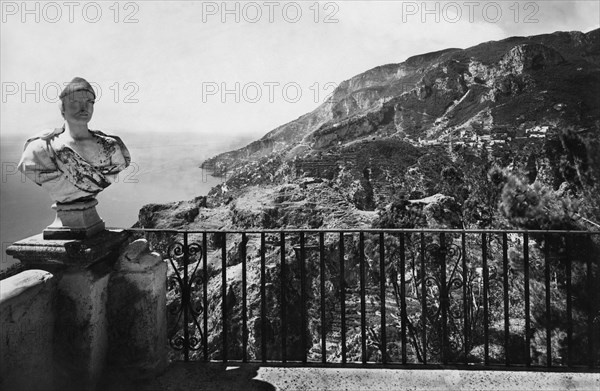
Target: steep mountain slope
[[528, 103], [438, 93]]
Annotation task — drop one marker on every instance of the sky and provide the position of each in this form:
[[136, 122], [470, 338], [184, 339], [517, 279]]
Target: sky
[[232, 68]]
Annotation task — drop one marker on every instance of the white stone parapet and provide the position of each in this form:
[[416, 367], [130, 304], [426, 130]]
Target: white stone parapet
[[27, 317]]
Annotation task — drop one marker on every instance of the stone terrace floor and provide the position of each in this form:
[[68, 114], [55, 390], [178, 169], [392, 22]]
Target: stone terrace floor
[[255, 377]]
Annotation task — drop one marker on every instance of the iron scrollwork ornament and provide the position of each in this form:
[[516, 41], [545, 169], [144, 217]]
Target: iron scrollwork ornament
[[436, 283], [185, 332]]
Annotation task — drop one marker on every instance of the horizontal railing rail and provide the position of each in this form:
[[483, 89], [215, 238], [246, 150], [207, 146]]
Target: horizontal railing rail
[[358, 230], [395, 297]]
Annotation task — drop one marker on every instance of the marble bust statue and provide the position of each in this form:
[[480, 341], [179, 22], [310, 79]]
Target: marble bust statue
[[74, 163]]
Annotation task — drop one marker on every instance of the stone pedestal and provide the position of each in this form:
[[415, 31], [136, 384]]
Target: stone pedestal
[[101, 250], [82, 269], [80, 332], [137, 321], [77, 220]]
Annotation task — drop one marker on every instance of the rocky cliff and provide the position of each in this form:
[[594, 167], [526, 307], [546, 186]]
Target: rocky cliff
[[528, 103]]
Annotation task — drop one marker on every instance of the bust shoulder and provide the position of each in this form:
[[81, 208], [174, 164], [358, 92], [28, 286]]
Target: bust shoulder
[[114, 146], [37, 144], [36, 158], [107, 140], [34, 144], [36, 147], [45, 135]]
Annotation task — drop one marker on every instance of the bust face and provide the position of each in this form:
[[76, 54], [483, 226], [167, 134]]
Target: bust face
[[78, 107]]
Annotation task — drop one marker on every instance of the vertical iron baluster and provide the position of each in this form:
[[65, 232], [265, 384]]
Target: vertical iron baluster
[[569, 307], [283, 301], [363, 309], [343, 297], [548, 301], [444, 298], [185, 299], [224, 291], [322, 276], [403, 296], [303, 298], [263, 299], [244, 299], [590, 288], [527, 312], [465, 301], [205, 297], [382, 279], [486, 336], [505, 298], [424, 298]]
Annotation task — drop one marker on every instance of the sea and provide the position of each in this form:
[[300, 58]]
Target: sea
[[165, 167]]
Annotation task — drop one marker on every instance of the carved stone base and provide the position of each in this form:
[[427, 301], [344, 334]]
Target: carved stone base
[[77, 220]]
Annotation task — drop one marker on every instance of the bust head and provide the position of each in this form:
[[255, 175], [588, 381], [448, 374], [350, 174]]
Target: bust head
[[77, 101], [78, 107]]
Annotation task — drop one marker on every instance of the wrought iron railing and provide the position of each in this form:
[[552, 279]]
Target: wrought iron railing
[[480, 298]]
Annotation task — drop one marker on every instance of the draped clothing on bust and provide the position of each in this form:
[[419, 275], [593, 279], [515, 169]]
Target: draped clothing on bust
[[64, 173]]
